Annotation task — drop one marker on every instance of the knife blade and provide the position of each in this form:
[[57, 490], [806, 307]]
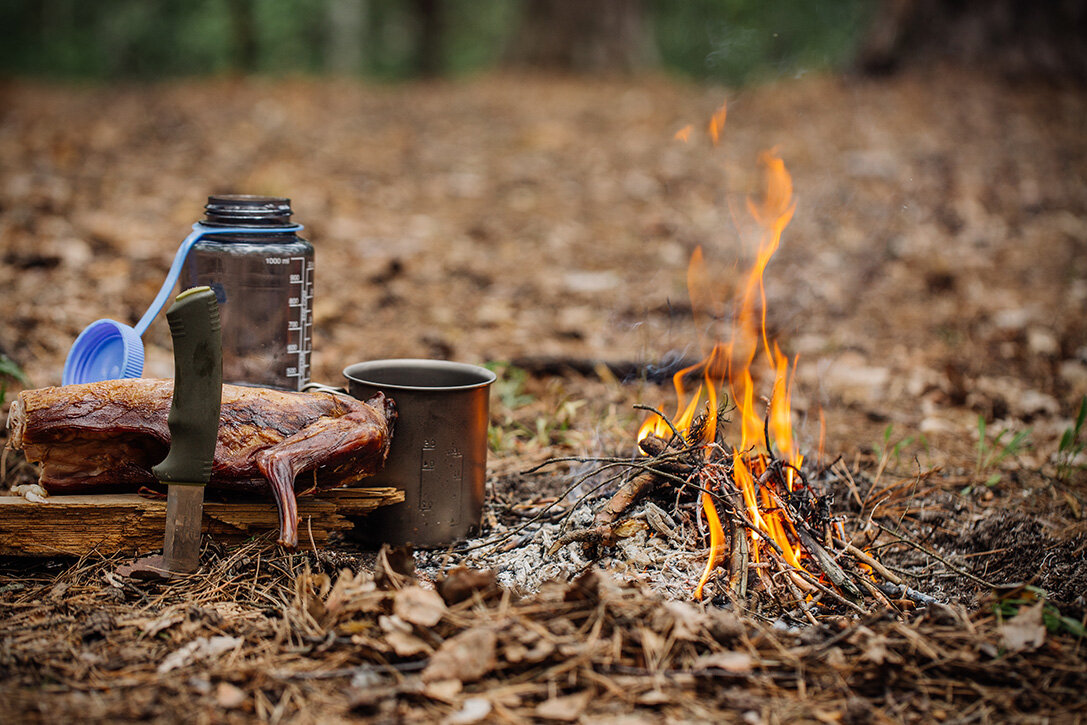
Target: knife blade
[[193, 421]]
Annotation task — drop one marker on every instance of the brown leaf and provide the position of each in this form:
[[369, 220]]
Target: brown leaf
[[423, 607], [566, 708], [473, 710], [1025, 631], [407, 645], [229, 697], [461, 583], [686, 618], [354, 593], [444, 690], [467, 657], [400, 637], [728, 661]]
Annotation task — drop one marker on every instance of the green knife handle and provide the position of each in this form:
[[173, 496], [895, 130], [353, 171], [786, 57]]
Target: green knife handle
[[198, 388]]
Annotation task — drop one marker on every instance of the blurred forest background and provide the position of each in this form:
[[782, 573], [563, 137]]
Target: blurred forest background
[[733, 41]]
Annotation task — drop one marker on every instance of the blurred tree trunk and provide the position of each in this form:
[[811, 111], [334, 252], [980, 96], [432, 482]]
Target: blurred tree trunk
[[245, 35], [1018, 38], [576, 35], [429, 37], [346, 22]]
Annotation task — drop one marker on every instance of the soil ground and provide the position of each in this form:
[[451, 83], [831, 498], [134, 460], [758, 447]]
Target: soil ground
[[934, 272]]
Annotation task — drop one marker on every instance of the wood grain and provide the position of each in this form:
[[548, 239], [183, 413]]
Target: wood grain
[[129, 523]]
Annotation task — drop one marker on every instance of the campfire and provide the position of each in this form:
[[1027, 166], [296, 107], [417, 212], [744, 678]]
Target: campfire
[[728, 460]]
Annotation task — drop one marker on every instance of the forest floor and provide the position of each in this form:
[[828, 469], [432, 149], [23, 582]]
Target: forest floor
[[933, 275]]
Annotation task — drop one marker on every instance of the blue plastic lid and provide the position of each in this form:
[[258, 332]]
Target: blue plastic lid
[[105, 350]]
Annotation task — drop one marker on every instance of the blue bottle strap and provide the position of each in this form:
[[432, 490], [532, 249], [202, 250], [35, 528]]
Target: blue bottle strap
[[199, 231]]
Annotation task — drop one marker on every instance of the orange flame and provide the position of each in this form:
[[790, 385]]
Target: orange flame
[[717, 536], [684, 134], [732, 363], [717, 123]]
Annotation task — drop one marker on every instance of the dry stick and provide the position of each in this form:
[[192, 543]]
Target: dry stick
[[737, 579], [852, 484], [663, 417], [826, 562], [516, 530], [831, 593], [734, 511], [878, 594], [937, 557], [797, 595], [865, 558]]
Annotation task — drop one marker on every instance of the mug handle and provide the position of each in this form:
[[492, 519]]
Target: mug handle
[[319, 388]]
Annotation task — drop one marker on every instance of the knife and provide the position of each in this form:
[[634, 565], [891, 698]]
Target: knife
[[193, 421]]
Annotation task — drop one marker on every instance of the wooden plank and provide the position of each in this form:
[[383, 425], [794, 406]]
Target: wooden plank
[[130, 523]]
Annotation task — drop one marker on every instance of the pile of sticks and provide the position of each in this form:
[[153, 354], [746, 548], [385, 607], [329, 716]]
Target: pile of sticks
[[685, 473]]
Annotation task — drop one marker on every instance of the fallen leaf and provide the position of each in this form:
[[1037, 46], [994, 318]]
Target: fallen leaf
[[728, 661], [165, 621], [423, 607], [229, 697], [201, 648], [310, 590], [566, 708], [875, 650], [461, 583], [394, 568], [444, 690], [1025, 631], [473, 710], [399, 635], [466, 657], [406, 644], [654, 697], [686, 620]]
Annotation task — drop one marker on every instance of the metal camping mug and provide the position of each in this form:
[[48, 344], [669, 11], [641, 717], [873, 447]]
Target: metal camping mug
[[438, 454]]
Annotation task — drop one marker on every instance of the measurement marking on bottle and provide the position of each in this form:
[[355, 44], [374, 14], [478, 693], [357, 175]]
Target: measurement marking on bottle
[[299, 328]]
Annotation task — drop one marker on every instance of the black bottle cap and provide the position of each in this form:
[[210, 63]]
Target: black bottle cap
[[244, 210]]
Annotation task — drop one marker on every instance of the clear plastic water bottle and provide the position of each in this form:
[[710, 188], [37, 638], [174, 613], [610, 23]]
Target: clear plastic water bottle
[[263, 281]]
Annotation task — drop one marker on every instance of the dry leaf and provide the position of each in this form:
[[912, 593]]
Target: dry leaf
[[1025, 631], [461, 583], [567, 708], [466, 657], [875, 650], [473, 710], [423, 607], [199, 649], [407, 645], [728, 661], [444, 690], [229, 697], [654, 697], [400, 636], [686, 620], [354, 593], [394, 568]]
